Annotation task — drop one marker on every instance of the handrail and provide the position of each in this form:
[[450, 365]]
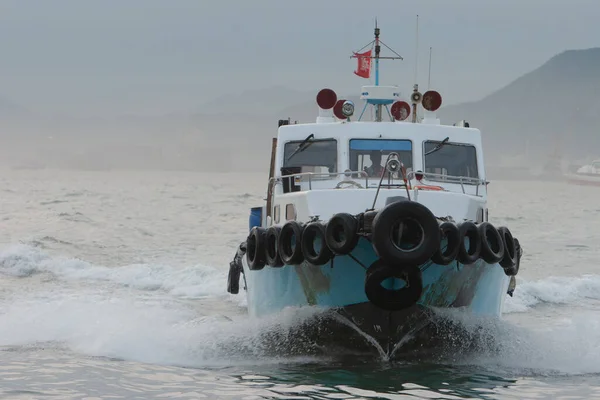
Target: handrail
[[462, 180], [361, 174]]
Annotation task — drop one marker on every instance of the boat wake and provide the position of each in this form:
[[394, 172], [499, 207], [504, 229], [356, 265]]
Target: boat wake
[[180, 316]]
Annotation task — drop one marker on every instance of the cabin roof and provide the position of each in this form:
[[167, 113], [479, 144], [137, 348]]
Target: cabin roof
[[383, 130]]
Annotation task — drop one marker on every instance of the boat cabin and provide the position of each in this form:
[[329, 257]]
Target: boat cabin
[[330, 159]]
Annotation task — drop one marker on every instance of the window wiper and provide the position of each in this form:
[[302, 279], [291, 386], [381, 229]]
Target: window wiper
[[302, 146], [439, 146]]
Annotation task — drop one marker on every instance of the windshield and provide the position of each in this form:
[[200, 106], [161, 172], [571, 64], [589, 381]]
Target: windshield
[[317, 155], [370, 155], [452, 159]]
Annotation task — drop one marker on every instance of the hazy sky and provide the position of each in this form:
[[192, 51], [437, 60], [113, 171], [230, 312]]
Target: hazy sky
[[150, 56]]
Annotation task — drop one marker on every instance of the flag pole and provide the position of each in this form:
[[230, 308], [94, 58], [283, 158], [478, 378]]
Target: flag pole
[[377, 50]]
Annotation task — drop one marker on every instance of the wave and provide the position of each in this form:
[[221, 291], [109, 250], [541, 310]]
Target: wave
[[554, 290]]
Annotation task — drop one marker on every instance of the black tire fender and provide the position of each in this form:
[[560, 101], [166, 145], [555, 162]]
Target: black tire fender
[[255, 248], [492, 245], [290, 246], [448, 230], [468, 229], [272, 257], [313, 233], [341, 233], [512, 271], [509, 260], [422, 226], [393, 300]]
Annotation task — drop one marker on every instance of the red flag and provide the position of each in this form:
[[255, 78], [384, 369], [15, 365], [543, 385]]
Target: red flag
[[364, 64]]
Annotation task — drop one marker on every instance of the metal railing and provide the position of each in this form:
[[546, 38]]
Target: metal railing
[[359, 176], [462, 180], [323, 176]]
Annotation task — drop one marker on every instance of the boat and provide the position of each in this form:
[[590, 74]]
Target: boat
[[585, 175], [380, 222]]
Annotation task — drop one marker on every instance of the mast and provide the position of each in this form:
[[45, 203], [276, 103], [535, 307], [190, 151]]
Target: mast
[[377, 51], [378, 103]]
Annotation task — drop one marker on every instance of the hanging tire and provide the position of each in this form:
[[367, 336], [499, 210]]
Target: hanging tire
[[492, 245], [509, 260], [341, 233], [468, 229], [512, 271], [272, 257], [255, 248], [290, 247], [448, 230], [314, 233], [388, 299], [420, 233]]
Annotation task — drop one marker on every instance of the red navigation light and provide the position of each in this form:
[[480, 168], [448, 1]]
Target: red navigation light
[[419, 176], [326, 99], [337, 109], [432, 100], [400, 110]]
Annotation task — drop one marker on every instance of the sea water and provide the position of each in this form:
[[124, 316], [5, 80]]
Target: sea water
[[113, 285]]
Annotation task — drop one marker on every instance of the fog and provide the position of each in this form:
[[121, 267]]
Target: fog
[[198, 85]]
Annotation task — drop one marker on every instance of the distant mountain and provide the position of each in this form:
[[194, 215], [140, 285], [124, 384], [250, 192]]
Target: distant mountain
[[548, 112], [254, 102], [10, 109], [553, 108]]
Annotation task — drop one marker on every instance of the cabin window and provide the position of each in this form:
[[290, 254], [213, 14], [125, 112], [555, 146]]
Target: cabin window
[[276, 213], [363, 153], [451, 160], [290, 212], [318, 156]]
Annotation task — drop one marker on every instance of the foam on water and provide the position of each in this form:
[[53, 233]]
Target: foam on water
[[183, 316], [556, 290]]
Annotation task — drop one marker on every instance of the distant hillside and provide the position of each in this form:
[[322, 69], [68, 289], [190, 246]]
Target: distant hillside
[[551, 108], [10, 109]]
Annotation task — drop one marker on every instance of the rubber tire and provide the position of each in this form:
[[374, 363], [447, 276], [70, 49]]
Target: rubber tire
[[255, 252], [315, 231], [511, 271], [272, 257], [509, 261], [368, 218], [288, 255], [492, 245], [448, 230], [393, 300], [469, 229], [382, 233], [346, 225]]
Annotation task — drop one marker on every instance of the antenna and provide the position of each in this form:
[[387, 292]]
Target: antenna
[[417, 50], [416, 95], [429, 78]]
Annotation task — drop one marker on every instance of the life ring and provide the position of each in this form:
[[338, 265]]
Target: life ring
[[420, 233], [341, 233], [449, 231], [255, 254], [290, 247], [428, 187], [492, 245], [390, 299], [314, 233], [272, 257], [509, 261], [468, 229]]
